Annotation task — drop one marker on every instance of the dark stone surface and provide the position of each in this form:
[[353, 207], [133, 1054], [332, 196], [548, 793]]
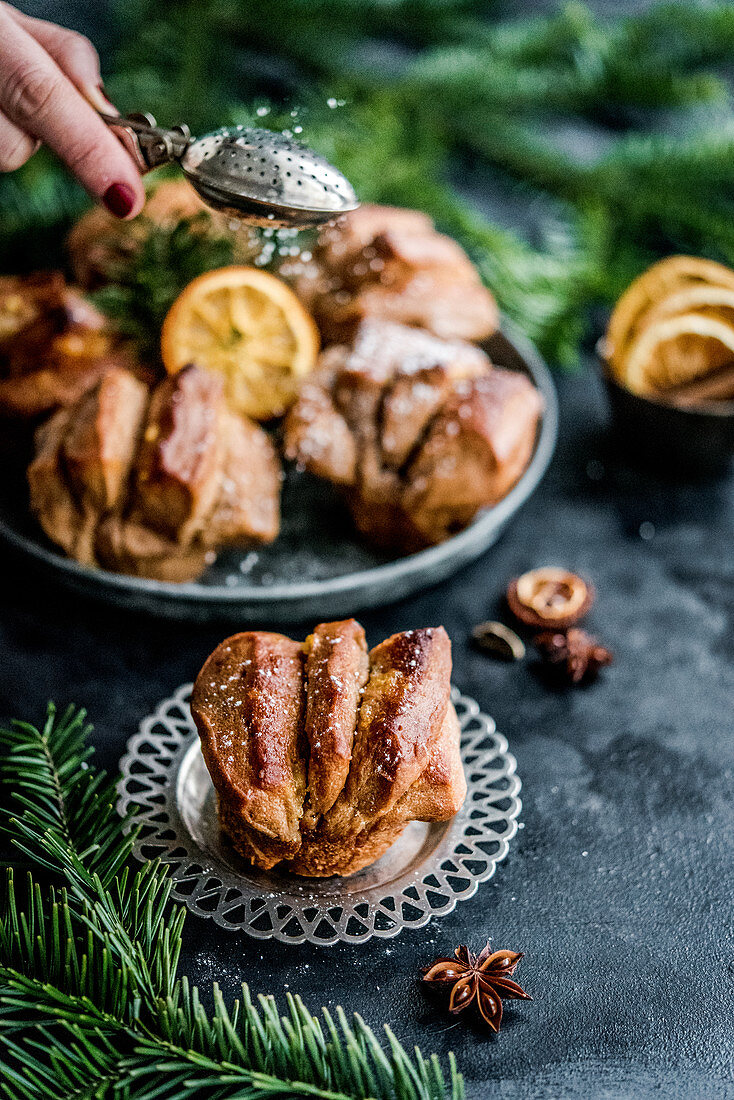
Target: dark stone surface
[[619, 886]]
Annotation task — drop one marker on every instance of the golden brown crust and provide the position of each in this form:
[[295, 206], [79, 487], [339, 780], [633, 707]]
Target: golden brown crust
[[317, 435], [152, 494], [390, 264], [177, 470], [320, 755], [436, 795], [476, 449], [247, 703], [411, 403], [54, 345], [51, 498], [321, 856], [437, 432], [359, 417], [26, 397], [127, 546], [337, 668], [248, 496], [439, 791], [403, 707], [83, 460], [102, 438], [40, 314]]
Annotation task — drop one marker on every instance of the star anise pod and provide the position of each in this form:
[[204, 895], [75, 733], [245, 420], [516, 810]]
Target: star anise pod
[[482, 979], [574, 655]]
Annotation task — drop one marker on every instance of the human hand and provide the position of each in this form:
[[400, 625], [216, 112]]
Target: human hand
[[50, 86]]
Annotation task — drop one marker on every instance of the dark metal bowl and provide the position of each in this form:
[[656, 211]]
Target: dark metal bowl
[[695, 441], [317, 569]]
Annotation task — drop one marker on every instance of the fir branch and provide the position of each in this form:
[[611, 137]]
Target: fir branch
[[681, 35], [143, 286], [83, 1070], [44, 939], [649, 59], [480, 79], [452, 80], [49, 776], [302, 24], [657, 193], [90, 1007], [69, 826], [248, 1051]]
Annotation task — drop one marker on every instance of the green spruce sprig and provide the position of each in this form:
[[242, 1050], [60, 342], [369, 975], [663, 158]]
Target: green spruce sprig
[[456, 87], [432, 86], [143, 286], [91, 1007]]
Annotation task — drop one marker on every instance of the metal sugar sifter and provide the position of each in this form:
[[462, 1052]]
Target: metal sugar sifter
[[259, 176]]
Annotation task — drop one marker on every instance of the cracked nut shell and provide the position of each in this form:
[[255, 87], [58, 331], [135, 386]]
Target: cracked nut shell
[[549, 598], [499, 641]]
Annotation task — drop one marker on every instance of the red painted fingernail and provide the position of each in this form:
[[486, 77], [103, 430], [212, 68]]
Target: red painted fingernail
[[119, 199]]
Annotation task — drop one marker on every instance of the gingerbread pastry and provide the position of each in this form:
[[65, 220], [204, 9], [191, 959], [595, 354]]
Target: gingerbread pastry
[[321, 753], [418, 433], [153, 484], [390, 264]]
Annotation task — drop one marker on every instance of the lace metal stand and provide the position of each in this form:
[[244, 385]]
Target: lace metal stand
[[424, 874]]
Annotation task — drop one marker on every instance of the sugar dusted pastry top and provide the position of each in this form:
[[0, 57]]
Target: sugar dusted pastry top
[[336, 670], [420, 433], [403, 709], [150, 484], [253, 682], [389, 264], [54, 345], [321, 753]]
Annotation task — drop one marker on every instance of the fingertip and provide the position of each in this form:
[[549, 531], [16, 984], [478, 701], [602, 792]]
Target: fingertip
[[139, 197], [96, 96], [137, 206], [123, 201], [104, 166]]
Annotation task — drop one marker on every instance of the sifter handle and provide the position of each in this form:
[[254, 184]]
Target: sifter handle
[[149, 144]]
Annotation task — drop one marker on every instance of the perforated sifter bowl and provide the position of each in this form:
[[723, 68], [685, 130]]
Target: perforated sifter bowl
[[261, 176]]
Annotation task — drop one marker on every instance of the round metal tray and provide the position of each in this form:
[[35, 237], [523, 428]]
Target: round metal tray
[[317, 568], [423, 874]]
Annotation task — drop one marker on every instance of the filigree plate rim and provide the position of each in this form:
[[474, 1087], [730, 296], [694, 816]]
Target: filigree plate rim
[[217, 890]]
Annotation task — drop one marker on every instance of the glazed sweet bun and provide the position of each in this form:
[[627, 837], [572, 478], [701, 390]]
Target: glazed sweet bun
[[322, 752]]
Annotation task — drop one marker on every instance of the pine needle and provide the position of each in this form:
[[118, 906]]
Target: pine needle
[[430, 85], [91, 1007]]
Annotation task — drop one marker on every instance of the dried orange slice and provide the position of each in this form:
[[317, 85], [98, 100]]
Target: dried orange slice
[[715, 301], [669, 276], [248, 326], [674, 350]]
